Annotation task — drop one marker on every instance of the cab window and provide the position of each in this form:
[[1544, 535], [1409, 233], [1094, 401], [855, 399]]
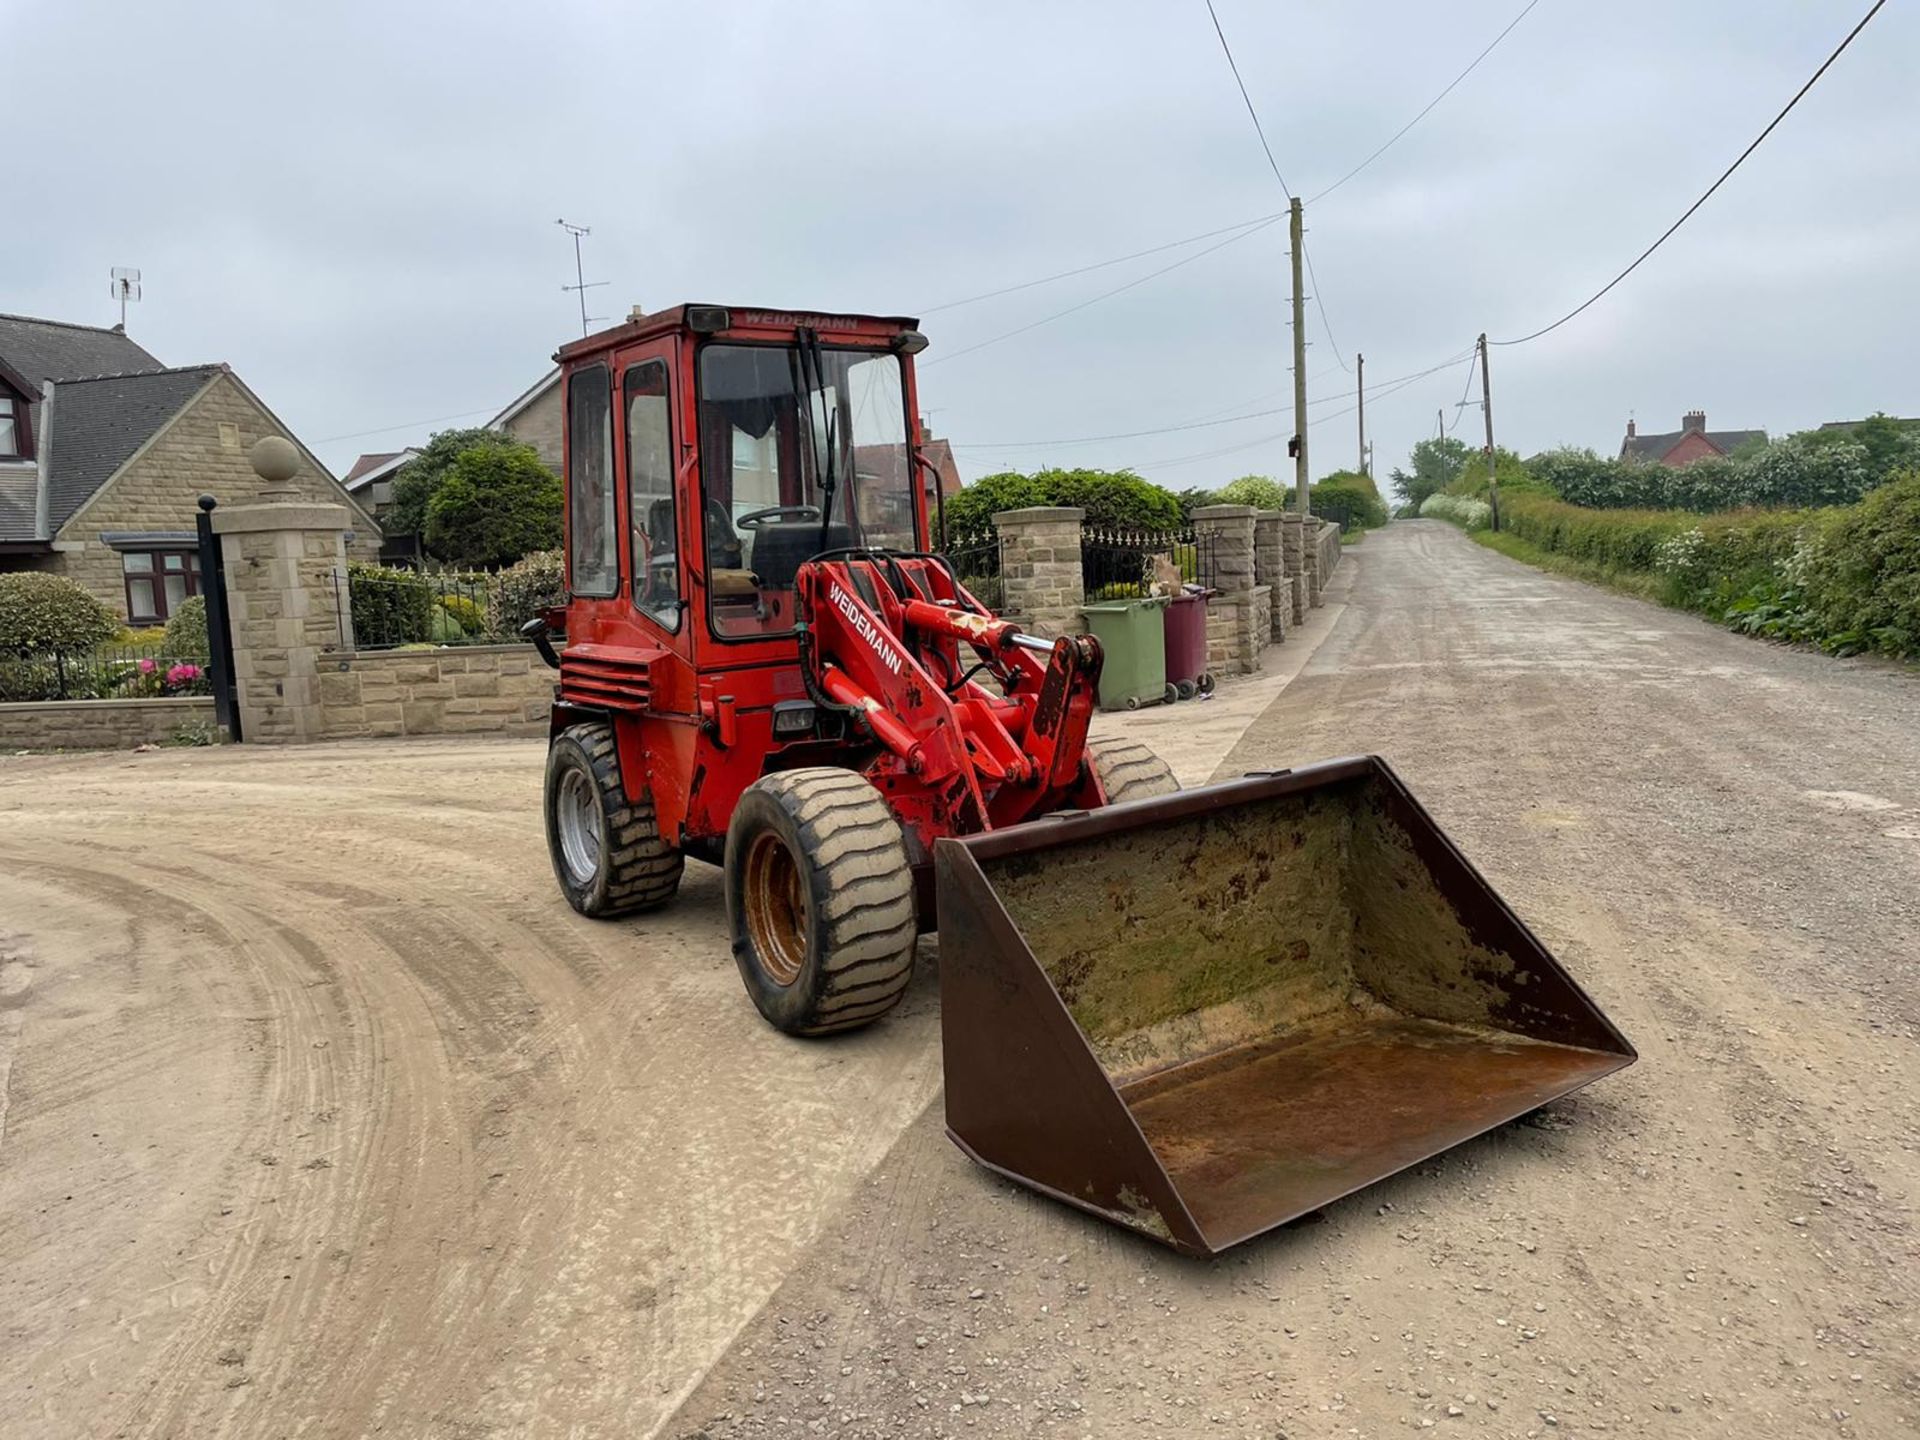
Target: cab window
[[592, 540], [656, 551]]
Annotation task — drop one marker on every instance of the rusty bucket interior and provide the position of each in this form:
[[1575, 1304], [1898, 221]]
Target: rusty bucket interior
[[1205, 1015]]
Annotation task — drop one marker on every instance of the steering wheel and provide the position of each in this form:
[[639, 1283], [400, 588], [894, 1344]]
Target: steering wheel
[[754, 519]]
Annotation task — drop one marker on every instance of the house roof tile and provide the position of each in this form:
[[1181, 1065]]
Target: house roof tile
[[98, 424], [53, 350], [1653, 447]]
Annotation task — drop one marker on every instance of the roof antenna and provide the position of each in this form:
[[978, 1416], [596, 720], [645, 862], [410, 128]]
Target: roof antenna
[[581, 284], [125, 286]]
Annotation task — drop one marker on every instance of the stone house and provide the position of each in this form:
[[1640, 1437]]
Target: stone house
[[1691, 442], [104, 453], [535, 418]]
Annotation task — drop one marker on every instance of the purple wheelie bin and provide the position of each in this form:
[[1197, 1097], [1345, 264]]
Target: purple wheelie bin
[[1186, 620]]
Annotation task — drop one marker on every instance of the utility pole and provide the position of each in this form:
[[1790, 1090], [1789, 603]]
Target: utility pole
[[581, 284], [1486, 409], [1360, 396], [1297, 245]]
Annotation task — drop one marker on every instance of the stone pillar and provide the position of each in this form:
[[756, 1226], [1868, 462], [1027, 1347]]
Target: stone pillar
[[1293, 547], [1040, 567], [1225, 535], [1270, 570], [287, 599]]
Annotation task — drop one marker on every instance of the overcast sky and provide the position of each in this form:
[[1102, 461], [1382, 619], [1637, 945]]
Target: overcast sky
[[354, 204]]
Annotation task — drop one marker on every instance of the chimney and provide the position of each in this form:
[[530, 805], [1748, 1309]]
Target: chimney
[[1630, 430], [1692, 421]]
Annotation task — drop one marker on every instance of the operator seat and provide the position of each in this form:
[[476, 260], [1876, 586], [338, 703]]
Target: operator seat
[[781, 547]]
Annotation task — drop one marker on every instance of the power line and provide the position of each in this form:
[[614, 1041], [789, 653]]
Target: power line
[[1320, 305], [1102, 264], [1252, 114], [1106, 295], [406, 425], [1473, 364], [1381, 388], [1429, 105], [1724, 175]]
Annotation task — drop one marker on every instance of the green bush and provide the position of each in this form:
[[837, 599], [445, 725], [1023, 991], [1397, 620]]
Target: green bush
[[186, 635], [444, 629], [469, 613], [520, 592], [1346, 505], [50, 614], [390, 607], [1110, 498]]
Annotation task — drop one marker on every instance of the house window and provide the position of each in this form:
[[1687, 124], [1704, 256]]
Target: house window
[[157, 581], [12, 430]]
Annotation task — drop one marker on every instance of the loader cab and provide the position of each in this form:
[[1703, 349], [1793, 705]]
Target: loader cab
[[710, 451]]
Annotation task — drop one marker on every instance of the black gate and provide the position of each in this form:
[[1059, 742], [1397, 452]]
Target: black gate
[[213, 585]]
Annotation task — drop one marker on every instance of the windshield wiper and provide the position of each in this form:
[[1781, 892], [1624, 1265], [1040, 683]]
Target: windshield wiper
[[816, 384]]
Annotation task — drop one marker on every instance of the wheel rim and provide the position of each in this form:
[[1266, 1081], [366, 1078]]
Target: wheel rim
[[579, 823], [776, 905]]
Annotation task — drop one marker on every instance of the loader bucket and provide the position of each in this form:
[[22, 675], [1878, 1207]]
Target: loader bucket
[[1207, 1014]]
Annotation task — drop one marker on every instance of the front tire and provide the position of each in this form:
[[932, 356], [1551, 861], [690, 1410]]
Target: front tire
[[819, 900], [1129, 770], [606, 850]]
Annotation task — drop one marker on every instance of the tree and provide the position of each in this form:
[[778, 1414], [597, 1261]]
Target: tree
[[495, 504], [415, 481], [1437, 463], [1262, 492], [1349, 480], [1891, 445]]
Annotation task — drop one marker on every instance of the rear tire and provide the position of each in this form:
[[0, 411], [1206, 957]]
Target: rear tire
[[606, 849], [1129, 770], [819, 901]]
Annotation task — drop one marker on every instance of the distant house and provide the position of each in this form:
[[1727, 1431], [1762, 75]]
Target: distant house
[[370, 481], [1692, 441], [104, 453], [535, 418]]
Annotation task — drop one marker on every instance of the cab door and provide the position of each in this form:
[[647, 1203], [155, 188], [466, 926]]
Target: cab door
[[651, 459]]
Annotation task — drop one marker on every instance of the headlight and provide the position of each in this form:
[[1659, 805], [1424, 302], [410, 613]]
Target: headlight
[[793, 717]]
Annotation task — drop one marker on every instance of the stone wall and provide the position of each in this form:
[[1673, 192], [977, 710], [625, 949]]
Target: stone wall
[[492, 689], [1040, 568], [541, 425], [1239, 628], [204, 452], [102, 724], [1270, 570]]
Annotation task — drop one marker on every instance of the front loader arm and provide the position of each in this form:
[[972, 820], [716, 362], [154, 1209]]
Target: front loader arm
[[887, 636]]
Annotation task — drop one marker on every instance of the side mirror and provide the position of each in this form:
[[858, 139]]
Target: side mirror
[[540, 633]]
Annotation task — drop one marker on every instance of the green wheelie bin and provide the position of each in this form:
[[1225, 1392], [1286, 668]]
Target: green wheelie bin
[[1133, 645]]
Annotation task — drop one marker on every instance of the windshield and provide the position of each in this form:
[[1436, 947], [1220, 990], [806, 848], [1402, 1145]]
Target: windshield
[[764, 458]]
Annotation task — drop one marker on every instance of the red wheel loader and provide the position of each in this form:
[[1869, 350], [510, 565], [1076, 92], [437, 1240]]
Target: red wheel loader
[[1197, 1014]]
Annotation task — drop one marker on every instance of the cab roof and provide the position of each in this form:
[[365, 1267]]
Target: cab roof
[[744, 322]]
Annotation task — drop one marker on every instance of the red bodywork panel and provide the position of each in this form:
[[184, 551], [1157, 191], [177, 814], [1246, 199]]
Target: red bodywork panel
[[884, 648]]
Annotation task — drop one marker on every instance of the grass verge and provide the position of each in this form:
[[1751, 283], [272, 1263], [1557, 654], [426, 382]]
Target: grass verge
[[1628, 582]]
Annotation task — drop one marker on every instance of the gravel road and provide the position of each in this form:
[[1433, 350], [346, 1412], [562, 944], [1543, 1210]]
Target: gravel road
[[322, 1115], [1721, 839]]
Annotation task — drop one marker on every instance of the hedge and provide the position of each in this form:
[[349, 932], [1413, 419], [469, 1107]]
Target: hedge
[[1798, 472], [391, 607], [1846, 578]]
